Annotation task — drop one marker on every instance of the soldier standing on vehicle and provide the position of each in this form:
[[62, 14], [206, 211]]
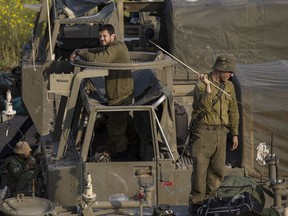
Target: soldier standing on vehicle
[[214, 114], [119, 85], [17, 172]]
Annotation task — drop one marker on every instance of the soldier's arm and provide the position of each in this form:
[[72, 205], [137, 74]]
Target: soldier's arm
[[233, 118], [203, 96], [233, 113], [96, 49], [108, 55]]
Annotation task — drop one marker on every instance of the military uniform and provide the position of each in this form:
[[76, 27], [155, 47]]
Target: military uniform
[[17, 175], [119, 83], [208, 148], [119, 91]]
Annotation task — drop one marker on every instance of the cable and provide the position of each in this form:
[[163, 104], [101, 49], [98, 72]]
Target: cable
[[15, 126], [9, 146]]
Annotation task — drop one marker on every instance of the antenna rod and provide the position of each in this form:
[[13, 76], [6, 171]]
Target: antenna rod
[[194, 71], [271, 144]]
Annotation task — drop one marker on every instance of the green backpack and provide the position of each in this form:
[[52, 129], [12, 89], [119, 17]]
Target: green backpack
[[237, 195], [235, 185]]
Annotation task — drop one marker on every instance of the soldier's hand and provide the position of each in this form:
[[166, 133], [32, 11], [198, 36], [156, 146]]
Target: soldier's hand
[[204, 78], [234, 143], [73, 55], [31, 163]]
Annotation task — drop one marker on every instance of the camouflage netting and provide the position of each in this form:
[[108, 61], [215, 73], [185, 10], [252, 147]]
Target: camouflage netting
[[254, 31]]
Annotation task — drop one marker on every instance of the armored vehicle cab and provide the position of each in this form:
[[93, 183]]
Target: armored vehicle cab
[[70, 153]]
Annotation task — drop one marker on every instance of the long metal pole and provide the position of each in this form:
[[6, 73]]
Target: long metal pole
[[187, 66]]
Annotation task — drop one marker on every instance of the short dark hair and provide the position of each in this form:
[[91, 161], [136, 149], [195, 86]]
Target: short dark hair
[[107, 27]]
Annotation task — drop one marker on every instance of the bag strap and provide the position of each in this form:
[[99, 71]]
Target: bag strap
[[200, 115], [219, 93]]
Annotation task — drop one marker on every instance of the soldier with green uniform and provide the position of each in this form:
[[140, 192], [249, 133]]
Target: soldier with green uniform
[[215, 114], [17, 172], [119, 88]]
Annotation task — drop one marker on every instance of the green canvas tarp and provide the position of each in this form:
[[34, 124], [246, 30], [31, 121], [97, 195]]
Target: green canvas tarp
[[198, 30]]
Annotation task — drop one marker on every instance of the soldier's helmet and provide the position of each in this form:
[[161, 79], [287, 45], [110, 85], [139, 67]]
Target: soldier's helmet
[[226, 63], [22, 147]]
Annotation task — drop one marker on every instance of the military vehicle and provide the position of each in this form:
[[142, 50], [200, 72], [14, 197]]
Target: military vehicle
[[66, 101], [68, 115]]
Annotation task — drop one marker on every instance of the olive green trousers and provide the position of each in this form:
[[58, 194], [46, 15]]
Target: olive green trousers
[[122, 131], [208, 151]]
